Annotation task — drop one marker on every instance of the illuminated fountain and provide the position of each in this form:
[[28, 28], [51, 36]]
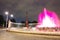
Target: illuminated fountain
[[48, 19]]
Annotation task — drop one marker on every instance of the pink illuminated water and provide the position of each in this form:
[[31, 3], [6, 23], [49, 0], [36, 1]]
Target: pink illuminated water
[[48, 19]]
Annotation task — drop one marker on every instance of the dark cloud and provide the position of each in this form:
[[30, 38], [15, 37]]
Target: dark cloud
[[33, 7]]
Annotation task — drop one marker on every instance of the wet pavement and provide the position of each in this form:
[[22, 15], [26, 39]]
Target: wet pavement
[[20, 36]]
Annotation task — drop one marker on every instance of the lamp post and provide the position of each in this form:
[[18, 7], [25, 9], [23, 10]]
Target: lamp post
[[6, 13]]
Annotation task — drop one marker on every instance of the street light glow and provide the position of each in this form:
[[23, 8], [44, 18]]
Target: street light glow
[[6, 12], [11, 15]]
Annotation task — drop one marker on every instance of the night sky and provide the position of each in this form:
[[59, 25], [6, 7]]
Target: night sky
[[33, 7]]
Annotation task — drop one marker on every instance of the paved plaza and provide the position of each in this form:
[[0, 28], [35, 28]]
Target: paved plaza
[[4, 35]]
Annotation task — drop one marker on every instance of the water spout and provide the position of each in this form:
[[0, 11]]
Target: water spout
[[48, 19]]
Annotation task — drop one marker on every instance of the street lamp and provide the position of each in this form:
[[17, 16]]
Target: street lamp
[[11, 15], [6, 13]]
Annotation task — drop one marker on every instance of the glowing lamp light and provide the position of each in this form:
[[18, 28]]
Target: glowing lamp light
[[6, 13], [11, 15]]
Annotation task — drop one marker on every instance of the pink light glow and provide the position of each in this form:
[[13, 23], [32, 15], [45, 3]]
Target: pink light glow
[[48, 19]]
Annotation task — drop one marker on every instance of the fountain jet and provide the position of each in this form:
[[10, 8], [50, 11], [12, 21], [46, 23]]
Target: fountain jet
[[48, 19]]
